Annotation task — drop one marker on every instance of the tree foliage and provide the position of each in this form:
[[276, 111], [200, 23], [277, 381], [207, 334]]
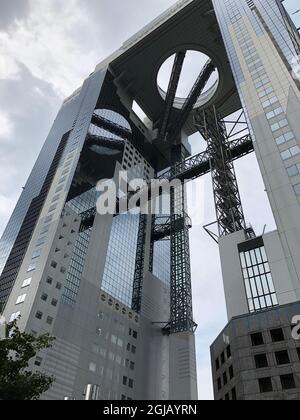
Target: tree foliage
[[16, 351]]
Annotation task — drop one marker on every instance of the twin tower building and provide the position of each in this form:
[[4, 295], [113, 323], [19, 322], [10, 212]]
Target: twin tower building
[[115, 289]]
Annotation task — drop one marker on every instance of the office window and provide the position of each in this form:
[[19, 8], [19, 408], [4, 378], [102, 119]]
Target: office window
[[293, 170], [44, 297], [282, 357], [49, 320], [21, 299], [125, 379], [258, 280], [228, 352], [54, 302], [298, 352], [289, 153], [219, 383], [31, 268], [217, 364], [134, 334], [277, 335], [92, 367], [287, 382], [27, 282], [36, 254], [14, 316], [53, 264], [222, 358], [257, 339], [133, 349], [233, 394], [49, 280], [130, 383], [285, 138], [297, 189], [261, 361], [225, 379], [38, 361], [58, 286], [39, 315], [132, 365], [52, 208], [231, 372], [265, 385]]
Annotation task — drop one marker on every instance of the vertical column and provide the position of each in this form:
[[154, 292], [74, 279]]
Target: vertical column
[[181, 288]]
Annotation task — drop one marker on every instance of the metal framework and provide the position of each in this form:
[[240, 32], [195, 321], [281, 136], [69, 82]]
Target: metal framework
[[139, 265], [230, 216], [161, 229], [191, 100], [112, 127], [171, 94]]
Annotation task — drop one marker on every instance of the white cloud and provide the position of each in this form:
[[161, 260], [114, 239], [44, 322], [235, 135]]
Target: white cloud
[[46, 43], [6, 127]]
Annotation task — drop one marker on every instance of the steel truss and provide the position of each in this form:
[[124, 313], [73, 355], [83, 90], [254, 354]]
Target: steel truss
[[139, 265], [112, 127], [191, 100], [171, 94], [230, 216]]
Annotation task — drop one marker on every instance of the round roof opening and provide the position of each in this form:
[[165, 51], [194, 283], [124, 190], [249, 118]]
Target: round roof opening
[[193, 64]]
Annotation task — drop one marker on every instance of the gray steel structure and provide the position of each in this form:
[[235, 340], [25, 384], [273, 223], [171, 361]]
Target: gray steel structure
[[122, 331]]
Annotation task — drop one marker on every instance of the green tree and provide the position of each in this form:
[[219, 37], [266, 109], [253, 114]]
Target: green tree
[[16, 351]]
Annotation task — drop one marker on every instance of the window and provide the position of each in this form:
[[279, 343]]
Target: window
[[53, 264], [228, 352], [132, 365], [134, 334], [49, 320], [233, 394], [261, 361], [125, 379], [282, 357], [223, 358], [27, 282], [15, 316], [58, 286], [277, 335], [231, 373], [297, 189], [265, 385], [54, 302], [38, 361], [49, 280], [92, 367], [298, 352], [217, 364], [133, 349], [63, 270], [52, 208], [257, 339], [44, 297], [36, 254], [289, 153], [225, 379], [219, 384], [274, 113], [130, 383], [287, 382], [31, 268], [21, 299], [258, 280], [293, 170], [281, 124], [39, 315], [285, 138]]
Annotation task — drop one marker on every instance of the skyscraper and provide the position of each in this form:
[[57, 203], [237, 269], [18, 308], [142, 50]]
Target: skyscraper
[[115, 289]]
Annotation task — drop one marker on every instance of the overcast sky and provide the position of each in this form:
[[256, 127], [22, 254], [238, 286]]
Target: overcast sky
[[47, 48]]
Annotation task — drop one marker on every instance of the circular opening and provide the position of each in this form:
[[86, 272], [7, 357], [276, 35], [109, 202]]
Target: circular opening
[[193, 64]]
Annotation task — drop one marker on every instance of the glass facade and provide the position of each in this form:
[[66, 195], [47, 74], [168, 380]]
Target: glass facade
[[258, 280], [120, 261], [162, 261]]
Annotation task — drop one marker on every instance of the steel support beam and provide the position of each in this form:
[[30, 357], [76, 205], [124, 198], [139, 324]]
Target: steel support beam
[[171, 94], [139, 265], [191, 100], [112, 127], [230, 216]]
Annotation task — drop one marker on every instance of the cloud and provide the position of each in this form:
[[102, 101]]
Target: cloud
[[6, 127], [11, 11]]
